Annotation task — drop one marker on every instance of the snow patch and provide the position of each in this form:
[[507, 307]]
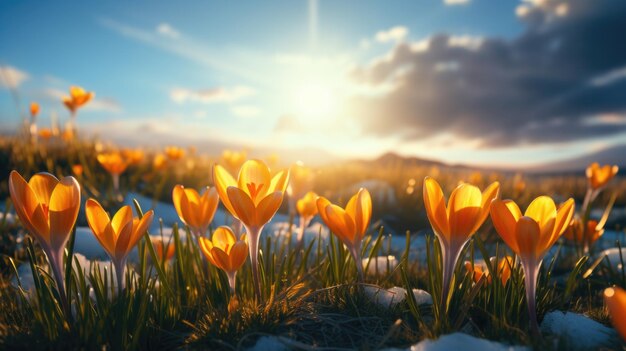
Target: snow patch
[[580, 331], [380, 264], [392, 297], [460, 341]]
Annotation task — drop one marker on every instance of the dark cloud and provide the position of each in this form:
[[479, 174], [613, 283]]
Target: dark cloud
[[542, 86]]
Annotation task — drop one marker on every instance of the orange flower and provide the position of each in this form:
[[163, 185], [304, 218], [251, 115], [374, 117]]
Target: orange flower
[[349, 224], [47, 208], [194, 210], [615, 299], [531, 235], [34, 109], [163, 251], [77, 170], [253, 198], [78, 97], [233, 160], [67, 135], [455, 223], [174, 153], [301, 180], [112, 162], [504, 269], [119, 235], [598, 176], [160, 162], [225, 252], [133, 156], [45, 133], [307, 208], [576, 232]]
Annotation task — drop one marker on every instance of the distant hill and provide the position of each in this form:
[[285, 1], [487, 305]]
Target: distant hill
[[612, 155]]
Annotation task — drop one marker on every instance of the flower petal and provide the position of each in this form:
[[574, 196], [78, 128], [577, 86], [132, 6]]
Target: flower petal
[[266, 209], [42, 185], [435, 205], [223, 238], [238, 254], [221, 259], [464, 211], [504, 215], [543, 211], [321, 204], [121, 218], [63, 211], [341, 224], [222, 180], [488, 195], [563, 218], [360, 209], [209, 201], [280, 181], [527, 233], [206, 246], [615, 299], [243, 206], [28, 208], [100, 224], [255, 179]]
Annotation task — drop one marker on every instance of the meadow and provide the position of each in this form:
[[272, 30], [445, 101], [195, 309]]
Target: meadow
[[312, 257]]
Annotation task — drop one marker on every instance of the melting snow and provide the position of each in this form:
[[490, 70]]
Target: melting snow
[[579, 331]]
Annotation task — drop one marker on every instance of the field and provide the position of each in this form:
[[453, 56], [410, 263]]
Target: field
[[180, 293]]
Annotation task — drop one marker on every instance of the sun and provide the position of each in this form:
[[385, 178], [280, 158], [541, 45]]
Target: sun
[[315, 100]]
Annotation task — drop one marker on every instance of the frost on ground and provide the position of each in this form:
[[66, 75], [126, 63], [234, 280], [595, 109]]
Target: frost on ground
[[380, 264], [615, 256], [273, 343], [578, 331], [392, 297], [105, 268], [460, 341]]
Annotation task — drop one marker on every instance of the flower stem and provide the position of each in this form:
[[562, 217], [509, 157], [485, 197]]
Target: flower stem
[[120, 269], [531, 272], [56, 260], [355, 250], [449, 257], [231, 281], [254, 234]]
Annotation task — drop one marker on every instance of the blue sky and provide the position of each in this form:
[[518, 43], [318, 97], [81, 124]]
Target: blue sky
[[268, 74]]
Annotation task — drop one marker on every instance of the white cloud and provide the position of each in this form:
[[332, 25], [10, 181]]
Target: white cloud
[[609, 77], [394, 34], [11, 77], [456, 2], [245, 111], [213, 95], [466, 41], [166, 30]]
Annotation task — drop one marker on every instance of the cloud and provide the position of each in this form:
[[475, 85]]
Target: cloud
[[394, 34], [166, 30], [245, 111], [567, 67], [11, 77], [213, 95], [456, 2], [188, 48]]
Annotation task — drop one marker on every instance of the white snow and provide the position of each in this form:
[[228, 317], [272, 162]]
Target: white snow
[[378, 265], [460, 341], [581, 332], [391, 297], [613, 255], [271, 342]]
